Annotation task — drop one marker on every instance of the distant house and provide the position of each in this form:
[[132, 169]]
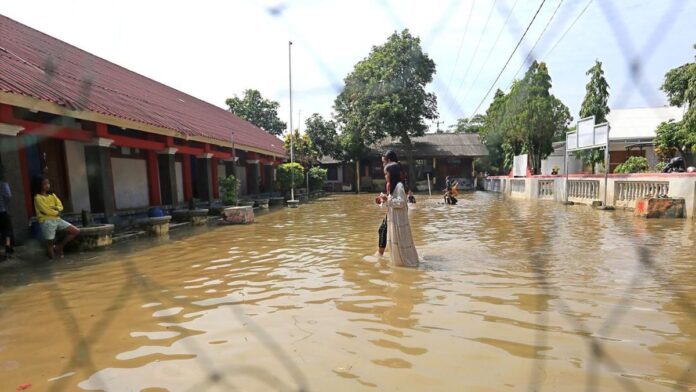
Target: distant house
[[436, 156], [632, 133]]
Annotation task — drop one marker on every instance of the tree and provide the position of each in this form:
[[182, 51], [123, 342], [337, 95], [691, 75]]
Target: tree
[[317, 177], [492, 133], [596, 103], [469, 125], [680, 87], [304, 151], [257, 110], [290, 175], [533, 116], [673, 137], [323, 135], [385, 95]]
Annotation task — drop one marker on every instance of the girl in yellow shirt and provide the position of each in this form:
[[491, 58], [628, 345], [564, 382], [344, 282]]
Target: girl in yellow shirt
[[48, 208]]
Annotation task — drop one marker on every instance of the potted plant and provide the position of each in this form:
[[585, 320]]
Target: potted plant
[[230, 188]]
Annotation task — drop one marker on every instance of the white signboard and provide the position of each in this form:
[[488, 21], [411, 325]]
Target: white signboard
[[585, 131], [519, 165], [572, 140], [601, 135], [588, 135]]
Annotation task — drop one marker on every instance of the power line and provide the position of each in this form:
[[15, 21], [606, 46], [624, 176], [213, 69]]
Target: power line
[[461, 44], [568, 29], [509, 58], [471, 61], [531, 51], [488, 56]]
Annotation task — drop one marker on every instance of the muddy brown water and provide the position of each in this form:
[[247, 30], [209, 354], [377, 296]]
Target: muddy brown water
[[511, 295]]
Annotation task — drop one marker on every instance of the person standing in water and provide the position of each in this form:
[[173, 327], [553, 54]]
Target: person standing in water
[[6, 231], [382, 231], [48, 208], [402, 250]]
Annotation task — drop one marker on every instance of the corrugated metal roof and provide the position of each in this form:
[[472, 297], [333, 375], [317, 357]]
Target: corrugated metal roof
[[37, 65], [438, 145]]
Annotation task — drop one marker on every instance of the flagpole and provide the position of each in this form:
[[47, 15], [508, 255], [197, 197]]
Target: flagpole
[[292, 136]]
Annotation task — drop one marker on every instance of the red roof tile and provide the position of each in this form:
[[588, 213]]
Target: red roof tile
[[37, 65]]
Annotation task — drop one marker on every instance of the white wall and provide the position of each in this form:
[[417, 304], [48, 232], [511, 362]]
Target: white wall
[[178, 168], [77, 175], [130, 182], [574, 164]]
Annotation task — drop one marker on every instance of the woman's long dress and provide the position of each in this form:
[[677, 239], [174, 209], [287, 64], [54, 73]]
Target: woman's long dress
[[403, 251]]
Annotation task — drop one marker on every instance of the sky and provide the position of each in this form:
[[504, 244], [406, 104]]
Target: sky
[[214, 50]]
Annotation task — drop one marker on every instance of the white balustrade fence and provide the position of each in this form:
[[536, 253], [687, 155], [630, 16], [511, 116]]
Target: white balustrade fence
[[583, 189], [495, 185], [517, 186], [622, 190], [627, 192], [546, 189]]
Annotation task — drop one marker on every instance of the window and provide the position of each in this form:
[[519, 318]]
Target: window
[[332, 173]]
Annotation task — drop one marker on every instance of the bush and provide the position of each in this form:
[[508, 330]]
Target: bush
[[633, 165], [317, 178], [230, 188], [285, 174], [659, 166]]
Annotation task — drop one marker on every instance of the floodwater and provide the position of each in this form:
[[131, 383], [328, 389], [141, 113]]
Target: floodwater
[[511, 295]]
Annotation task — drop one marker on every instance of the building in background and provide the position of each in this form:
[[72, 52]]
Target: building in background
[[110, 140], [632, 133], [436, 156]]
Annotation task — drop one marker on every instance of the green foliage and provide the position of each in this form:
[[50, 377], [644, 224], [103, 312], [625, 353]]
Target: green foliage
[[633, 165], [659, 166], [526, 120], [230, 188], [317, 178], [303, 149], [492, 133], [596, 102], [385, 95], [285, 177], [257, 110], [680, 86], [323, 136], [590, 157], [673, 137], [469, 125]]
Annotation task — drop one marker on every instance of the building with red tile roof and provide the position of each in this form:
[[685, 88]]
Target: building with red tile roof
[[112, 140]]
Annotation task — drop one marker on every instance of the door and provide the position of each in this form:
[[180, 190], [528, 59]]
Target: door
[[52, 155]]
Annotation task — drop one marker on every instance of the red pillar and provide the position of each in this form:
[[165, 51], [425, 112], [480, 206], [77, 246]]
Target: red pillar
[[186, 174], [7, 116], [102, 130], [214, 177], [153, 178], [6, 113]]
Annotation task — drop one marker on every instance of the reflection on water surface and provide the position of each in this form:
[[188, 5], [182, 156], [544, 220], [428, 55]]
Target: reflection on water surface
[[510, 294]]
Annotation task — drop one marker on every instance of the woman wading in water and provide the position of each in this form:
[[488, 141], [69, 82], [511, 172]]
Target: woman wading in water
[[398, 230]]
